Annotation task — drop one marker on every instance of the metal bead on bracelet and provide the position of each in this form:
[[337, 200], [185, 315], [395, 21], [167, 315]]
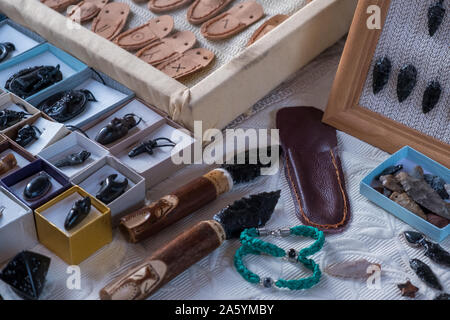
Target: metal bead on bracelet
[[252, 245]]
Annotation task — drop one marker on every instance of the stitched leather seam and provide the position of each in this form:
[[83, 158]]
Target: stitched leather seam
[[325, 226], [209, 13]]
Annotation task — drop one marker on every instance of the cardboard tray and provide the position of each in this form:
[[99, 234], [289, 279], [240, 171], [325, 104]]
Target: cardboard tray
[[408, 157], [44, 54], [224, 94]]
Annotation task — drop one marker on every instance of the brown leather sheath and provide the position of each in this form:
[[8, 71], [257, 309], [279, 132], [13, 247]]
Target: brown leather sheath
[[111, 20], [149, 220], [313, 168]]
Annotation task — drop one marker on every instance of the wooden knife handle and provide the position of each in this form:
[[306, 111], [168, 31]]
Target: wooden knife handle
[[146, 278], [151, 219]]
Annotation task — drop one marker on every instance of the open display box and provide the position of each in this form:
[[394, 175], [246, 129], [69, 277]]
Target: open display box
[[9, 101], [17, 228], [108, 93], [149, 116], [42, 55], [22, 156], [22, 38], [72, 143], [225, 93], [155, 167], [17, 181], [50, 132], [409, 158], [82, 241], [132, 199]]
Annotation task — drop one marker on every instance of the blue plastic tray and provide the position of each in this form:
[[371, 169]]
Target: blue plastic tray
[[37, 56], [409, 158]]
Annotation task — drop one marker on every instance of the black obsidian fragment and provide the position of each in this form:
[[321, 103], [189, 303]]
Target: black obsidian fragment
[[425, 273], [438, 184], [431, 96], [436, 14], [407, 79], [252, 212], [390, 170], [381, 72], [26, 274]]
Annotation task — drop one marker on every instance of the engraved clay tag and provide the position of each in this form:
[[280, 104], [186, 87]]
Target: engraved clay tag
[[168, 48], [59, 5], [203, 10], [144, 35], [111, 20], [86, 10], [166, 5], [268, 26], [191, 61], [233, 21]]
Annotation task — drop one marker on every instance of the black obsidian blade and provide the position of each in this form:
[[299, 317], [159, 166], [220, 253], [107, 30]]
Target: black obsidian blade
[[381, 73], [246, 171], [425, 273], [390, 170], [252, 212], [438, 184], [407, 79], [431, 96], [26, 274], [436, 14]]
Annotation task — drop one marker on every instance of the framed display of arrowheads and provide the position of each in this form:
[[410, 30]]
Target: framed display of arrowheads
[[392, 87]]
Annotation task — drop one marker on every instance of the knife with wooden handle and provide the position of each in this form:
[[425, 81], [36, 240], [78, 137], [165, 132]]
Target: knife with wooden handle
[[189, 198], [144, 279]]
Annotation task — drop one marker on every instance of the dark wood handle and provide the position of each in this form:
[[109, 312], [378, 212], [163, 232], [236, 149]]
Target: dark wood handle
[[146, 278], [151, 219]]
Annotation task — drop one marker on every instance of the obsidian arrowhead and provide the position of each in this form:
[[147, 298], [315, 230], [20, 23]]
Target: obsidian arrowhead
[[431, 96], [26, 274], [425, 273], [407, 79], [251, 212], [436, 14], [381, 73]]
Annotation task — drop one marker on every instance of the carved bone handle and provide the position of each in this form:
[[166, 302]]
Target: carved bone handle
[[146, 278], [151, 219]]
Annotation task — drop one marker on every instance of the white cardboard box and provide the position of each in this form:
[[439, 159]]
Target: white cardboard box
[[73, 143], [149, 118], [134, 196], [158, 166], [10, 101], [17, 228]]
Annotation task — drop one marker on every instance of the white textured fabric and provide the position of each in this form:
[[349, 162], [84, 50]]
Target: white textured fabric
[[405, 40], [372, 234], [225, 50]]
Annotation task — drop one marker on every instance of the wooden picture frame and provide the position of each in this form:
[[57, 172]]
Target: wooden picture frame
[[343, 110]]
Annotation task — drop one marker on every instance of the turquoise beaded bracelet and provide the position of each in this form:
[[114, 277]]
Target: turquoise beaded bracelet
[[252, 245]]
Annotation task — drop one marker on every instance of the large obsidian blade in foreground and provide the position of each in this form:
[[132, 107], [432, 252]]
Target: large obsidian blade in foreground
[[381, 72], [436, 14], [26, 274], [244, 171], [407, 79], [246, 213], [431, 96]]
